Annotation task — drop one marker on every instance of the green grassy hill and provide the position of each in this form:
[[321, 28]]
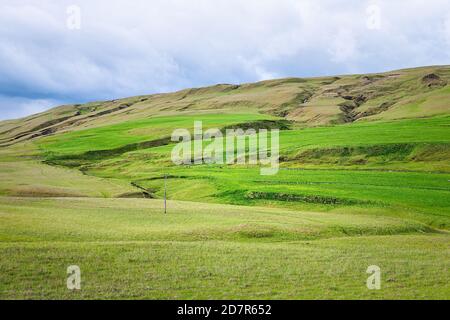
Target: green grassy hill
[[409, 93], [364, 179]]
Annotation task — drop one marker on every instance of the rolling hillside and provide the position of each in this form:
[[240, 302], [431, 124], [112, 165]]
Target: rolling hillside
[[364, 179], [410, 93]]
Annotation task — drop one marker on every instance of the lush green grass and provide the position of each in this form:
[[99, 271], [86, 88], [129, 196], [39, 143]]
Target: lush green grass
[[338, 159], [346, 197], [412, 268], [333, 155], [119, 135], [130, 249], [75, 219], [413, 195], [34, 179], [23, 174], [411, 131], [427, 130], [422, 145]]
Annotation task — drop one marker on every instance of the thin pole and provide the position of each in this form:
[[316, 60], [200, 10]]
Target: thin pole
[[165, 193]]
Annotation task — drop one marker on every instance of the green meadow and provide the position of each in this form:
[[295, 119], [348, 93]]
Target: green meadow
[[353, 190], [130, 249], [119, 135]]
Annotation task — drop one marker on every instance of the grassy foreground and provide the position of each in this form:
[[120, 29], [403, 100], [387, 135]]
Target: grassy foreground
[[130, 249]]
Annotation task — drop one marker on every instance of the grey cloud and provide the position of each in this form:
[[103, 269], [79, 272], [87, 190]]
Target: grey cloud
[[127, 48]]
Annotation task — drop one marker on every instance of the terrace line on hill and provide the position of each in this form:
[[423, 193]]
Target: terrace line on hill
[[235, 147]]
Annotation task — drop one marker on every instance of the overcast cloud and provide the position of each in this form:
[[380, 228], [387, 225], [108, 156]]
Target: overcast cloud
[[126, 48]]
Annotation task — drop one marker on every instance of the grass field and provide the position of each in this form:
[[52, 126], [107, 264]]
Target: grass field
[[83, 185], [130, 249], [119, 135], [385, 165]]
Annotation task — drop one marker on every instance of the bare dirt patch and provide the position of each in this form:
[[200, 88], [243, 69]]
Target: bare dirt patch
[[432, 80]]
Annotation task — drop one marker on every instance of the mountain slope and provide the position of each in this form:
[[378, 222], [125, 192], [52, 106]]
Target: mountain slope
[[409, 93]]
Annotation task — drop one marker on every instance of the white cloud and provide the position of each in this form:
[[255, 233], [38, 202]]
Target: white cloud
[[125, 48], [446, 33], [343, 47]]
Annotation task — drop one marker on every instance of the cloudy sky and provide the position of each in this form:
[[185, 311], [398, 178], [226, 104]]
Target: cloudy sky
[[57, 52]]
